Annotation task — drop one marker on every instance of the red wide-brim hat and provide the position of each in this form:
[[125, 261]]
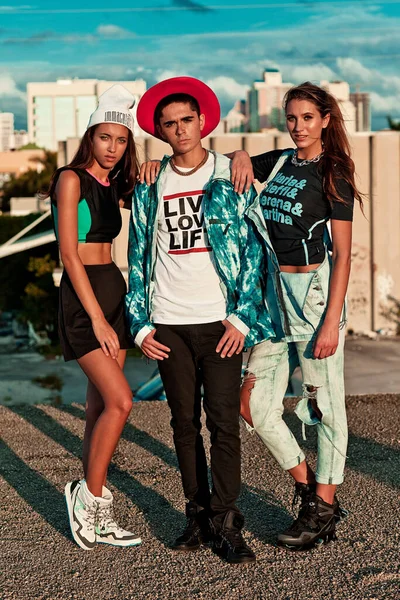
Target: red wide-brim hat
[[208, 102]]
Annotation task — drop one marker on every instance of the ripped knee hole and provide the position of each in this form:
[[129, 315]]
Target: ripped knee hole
[[311, 393]]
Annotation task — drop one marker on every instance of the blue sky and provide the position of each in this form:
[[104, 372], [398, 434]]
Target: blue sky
[[227, 43]]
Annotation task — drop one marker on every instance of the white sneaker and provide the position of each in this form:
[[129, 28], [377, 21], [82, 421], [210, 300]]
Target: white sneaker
[[107, 530], [82, 508]]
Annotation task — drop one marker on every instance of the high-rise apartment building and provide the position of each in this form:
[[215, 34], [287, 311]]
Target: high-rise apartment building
[[264, 102], [6, 130], [235, 121], [263, 107], [341, 91], [18, 139], [361, 101], [61, 109]]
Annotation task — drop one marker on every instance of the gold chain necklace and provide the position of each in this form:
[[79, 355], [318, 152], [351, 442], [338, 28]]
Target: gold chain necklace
[[187, 173]]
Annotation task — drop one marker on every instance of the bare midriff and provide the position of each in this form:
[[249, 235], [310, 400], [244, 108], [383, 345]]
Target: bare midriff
[[95, 253], [297, 269]]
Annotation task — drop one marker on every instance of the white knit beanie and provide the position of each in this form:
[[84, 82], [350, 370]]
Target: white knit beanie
[[114, 105]]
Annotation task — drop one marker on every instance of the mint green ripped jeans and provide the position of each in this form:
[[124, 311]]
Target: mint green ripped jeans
[[304, 298]]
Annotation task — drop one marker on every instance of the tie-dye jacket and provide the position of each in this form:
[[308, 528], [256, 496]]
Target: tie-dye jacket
[[238, 254]]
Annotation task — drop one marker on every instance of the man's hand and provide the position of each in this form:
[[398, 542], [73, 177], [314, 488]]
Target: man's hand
[[327, 341], [231, 342], [242, 175], [153, 349], [149, 171]]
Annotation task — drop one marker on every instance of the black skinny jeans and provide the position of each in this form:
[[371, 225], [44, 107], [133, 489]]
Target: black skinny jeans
[[193, 362]]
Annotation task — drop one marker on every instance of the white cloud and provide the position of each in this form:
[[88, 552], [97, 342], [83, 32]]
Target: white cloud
[[228, 87], [113, 31], [8, 87], [14, 8], [387, 105], [383, 87], [352, 70], [311, 72], [167, 75]]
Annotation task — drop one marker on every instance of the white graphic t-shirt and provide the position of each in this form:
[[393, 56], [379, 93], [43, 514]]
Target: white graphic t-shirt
[[187, 287]]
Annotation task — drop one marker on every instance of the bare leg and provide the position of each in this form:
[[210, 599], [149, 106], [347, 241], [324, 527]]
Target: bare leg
[[245, 394], [326, 492], [94, 408], [302, 473], [107, 377]]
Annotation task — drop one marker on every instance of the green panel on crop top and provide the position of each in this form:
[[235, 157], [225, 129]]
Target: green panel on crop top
[[99, 217]]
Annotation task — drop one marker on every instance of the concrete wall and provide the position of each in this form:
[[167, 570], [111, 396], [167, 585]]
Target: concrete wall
[[385, 219], [375, 272]]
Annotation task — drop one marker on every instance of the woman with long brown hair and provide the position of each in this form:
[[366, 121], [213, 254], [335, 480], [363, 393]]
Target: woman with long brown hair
[[306, 283], [86, 196]]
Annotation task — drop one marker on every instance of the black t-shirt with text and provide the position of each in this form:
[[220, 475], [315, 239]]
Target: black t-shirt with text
[[296, 208]]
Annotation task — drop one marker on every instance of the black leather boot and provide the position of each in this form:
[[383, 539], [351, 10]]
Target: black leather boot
[[303, 492], [196, 532], [316, 523], [229, 543]]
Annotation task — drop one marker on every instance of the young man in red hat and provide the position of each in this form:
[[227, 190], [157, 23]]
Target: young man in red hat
[[195, 301]]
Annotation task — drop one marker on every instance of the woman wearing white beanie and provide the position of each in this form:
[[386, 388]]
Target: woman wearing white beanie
[[86, 196]]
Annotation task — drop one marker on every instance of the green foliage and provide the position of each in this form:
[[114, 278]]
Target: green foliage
[[394, 125], [39, 304], [31, 182], [41, 266], [30, 146], [10, 226]]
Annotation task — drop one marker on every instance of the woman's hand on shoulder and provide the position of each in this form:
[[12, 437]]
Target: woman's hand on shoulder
[[106, 336], [149, 171], [242, 174]]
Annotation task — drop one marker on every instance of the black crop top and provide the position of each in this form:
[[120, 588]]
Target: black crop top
[[99, 217], [296, 208]]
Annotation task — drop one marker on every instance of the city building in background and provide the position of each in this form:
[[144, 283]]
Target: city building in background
[[6, 130], [264, 102], [235, 121], [10, 139], [361, 101], [18, 139], [60, 110], [262, 110], [341, 91]]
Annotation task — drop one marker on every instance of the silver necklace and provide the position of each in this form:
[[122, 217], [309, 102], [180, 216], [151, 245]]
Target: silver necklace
[[306, 161]]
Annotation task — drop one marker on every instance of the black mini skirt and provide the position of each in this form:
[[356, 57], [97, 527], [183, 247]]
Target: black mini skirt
[[75, 327]]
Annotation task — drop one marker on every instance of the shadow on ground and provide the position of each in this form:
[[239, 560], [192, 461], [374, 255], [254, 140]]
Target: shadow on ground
[[164, 521], [157, 510], [366, 456]]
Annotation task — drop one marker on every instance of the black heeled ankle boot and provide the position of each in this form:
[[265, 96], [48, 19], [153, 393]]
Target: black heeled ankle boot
[[315, 524]]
